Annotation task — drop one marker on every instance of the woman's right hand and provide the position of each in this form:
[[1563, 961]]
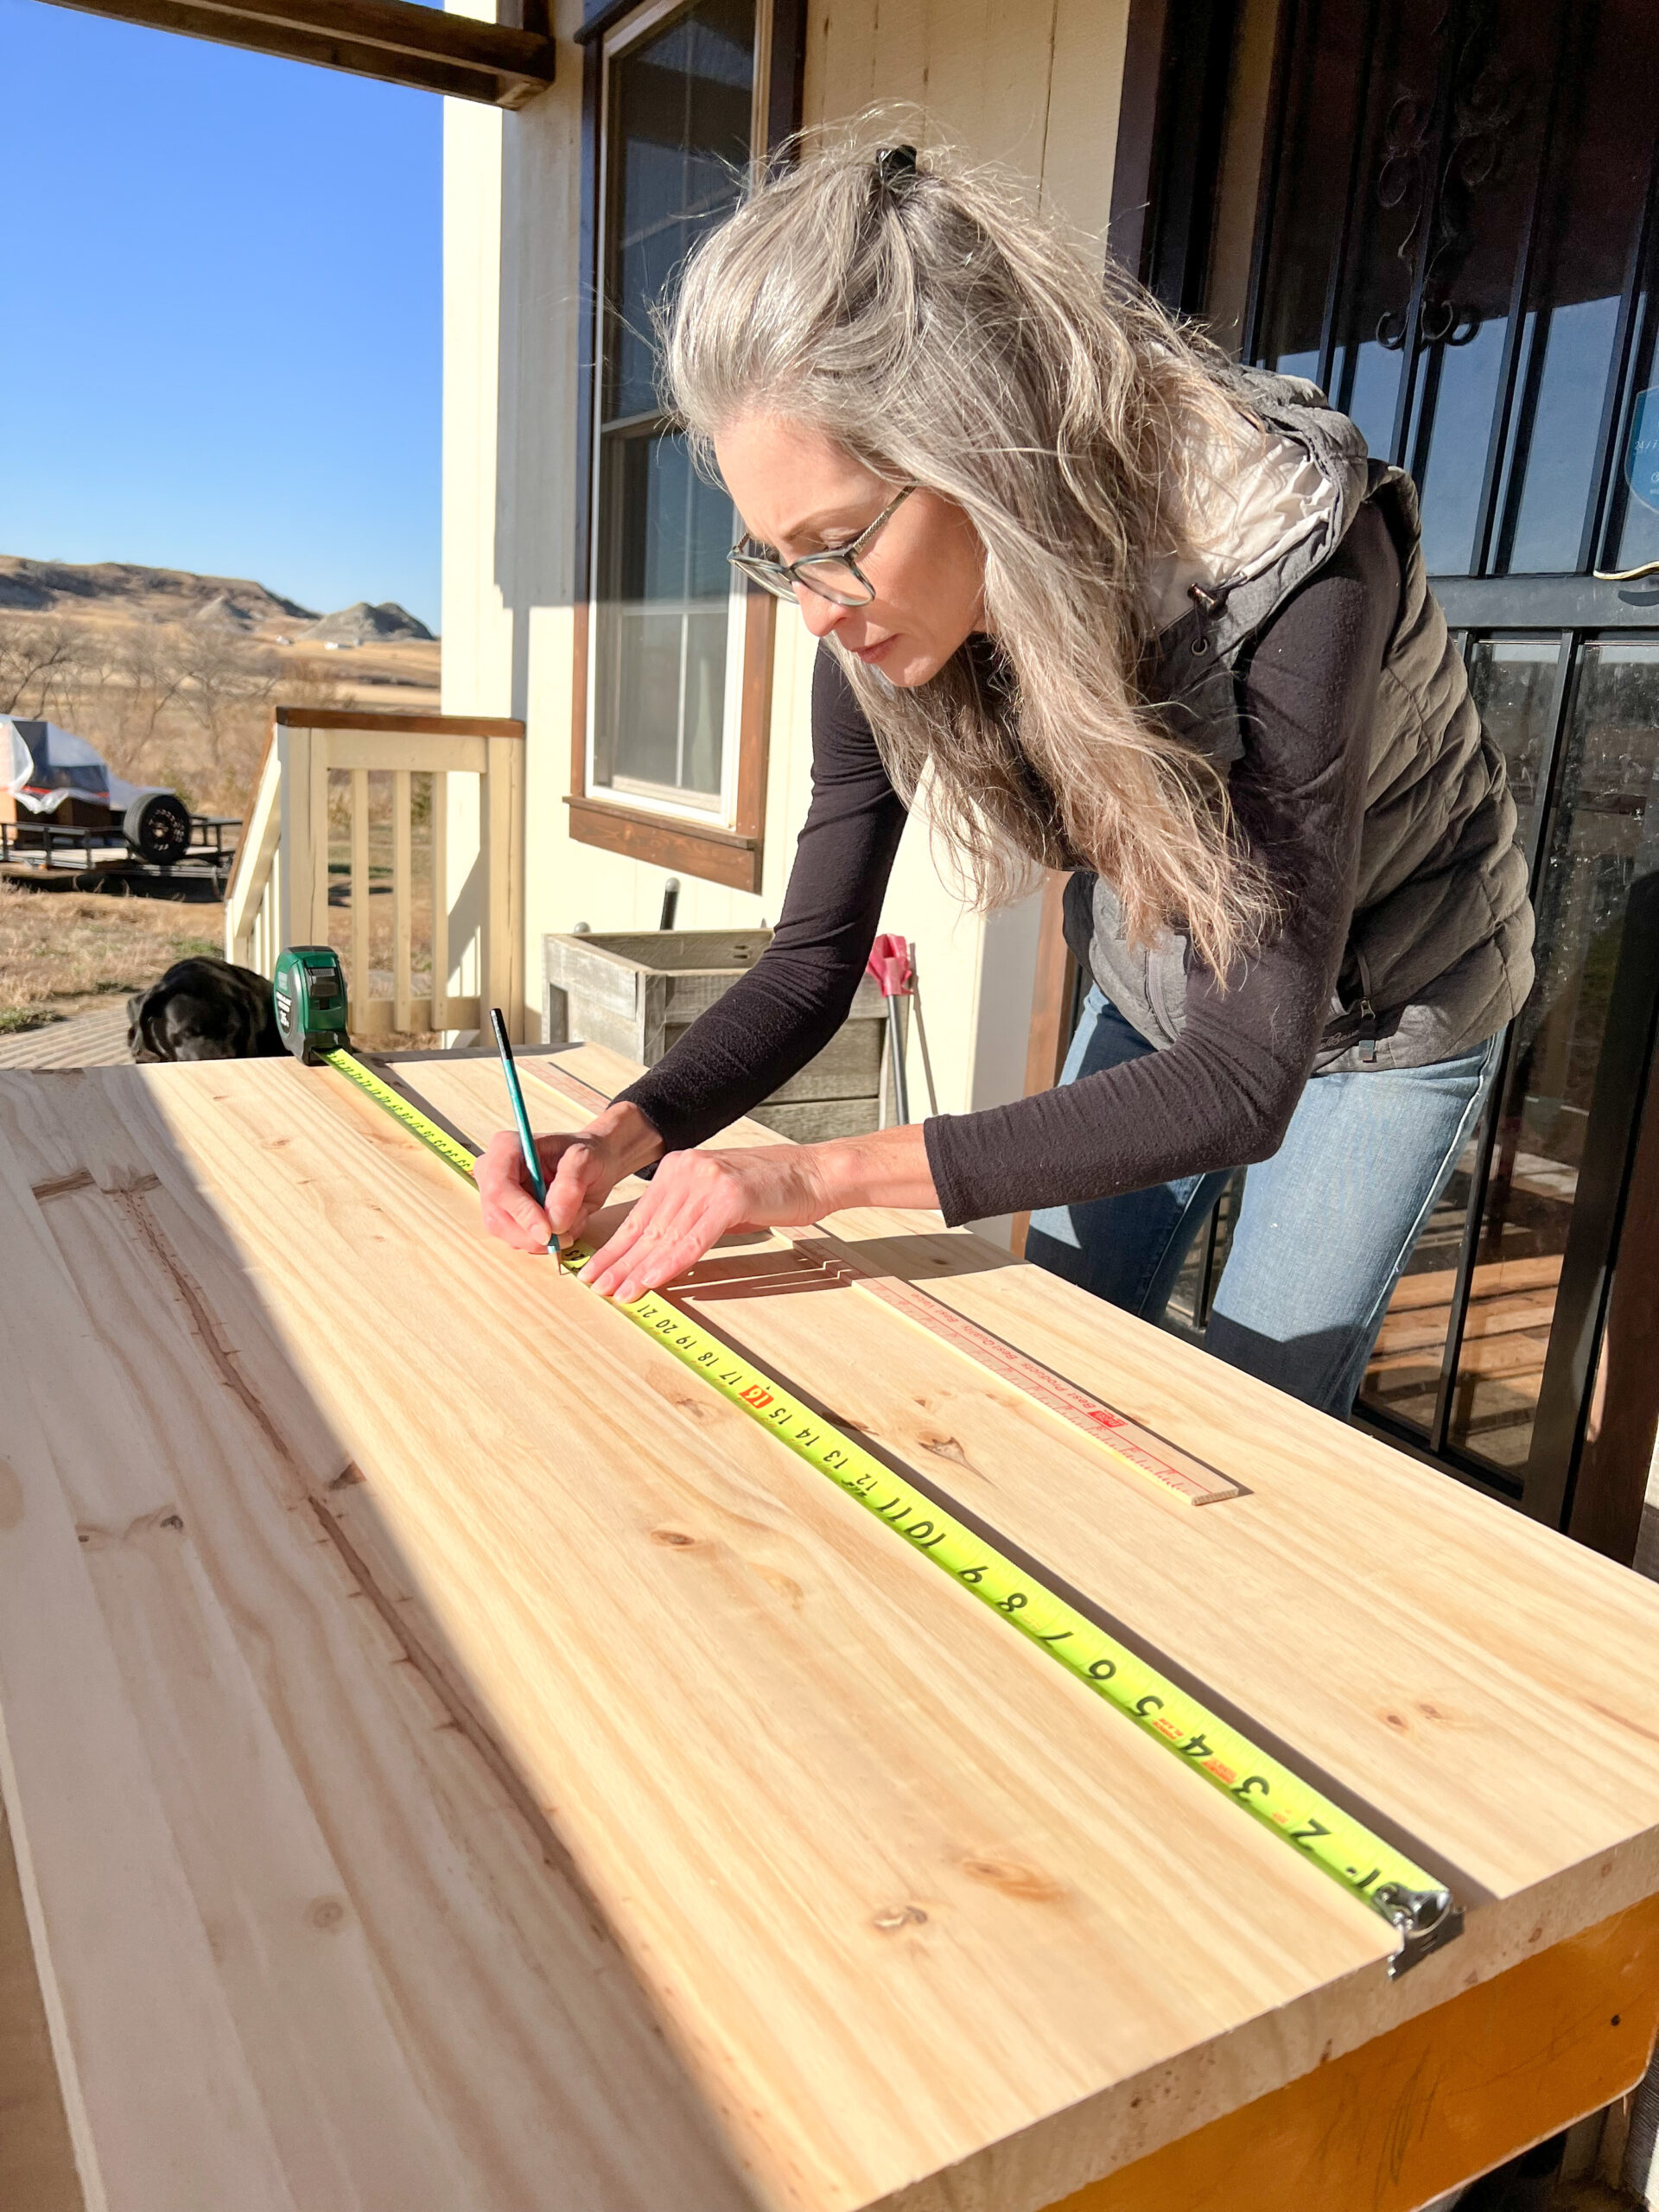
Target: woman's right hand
[[579, 1170]]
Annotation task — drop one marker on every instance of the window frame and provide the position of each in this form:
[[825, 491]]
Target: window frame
[[724, 845]]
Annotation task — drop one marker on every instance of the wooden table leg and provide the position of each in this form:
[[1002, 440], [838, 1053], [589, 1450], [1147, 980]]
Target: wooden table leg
[[1431, 2104]]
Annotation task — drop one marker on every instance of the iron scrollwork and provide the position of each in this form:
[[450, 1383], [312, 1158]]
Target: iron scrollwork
[[1485, 104]]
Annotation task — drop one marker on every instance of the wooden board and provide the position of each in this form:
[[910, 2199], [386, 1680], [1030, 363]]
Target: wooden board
[[429, 1791]]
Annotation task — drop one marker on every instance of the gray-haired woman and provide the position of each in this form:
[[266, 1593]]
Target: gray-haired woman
[[1116, 607]]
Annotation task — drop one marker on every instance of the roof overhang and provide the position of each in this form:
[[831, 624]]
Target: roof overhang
[[397, 41]]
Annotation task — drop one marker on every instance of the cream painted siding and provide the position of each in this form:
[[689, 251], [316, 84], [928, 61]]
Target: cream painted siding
[[1034, 86]]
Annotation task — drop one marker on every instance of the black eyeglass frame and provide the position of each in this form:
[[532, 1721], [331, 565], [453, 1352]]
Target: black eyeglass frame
[[780, 577]]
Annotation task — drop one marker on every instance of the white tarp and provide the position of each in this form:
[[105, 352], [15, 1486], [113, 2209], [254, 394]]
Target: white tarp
[[42, 766]]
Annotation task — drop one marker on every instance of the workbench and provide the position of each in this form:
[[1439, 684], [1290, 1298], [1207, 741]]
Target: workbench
[[457, 1762]]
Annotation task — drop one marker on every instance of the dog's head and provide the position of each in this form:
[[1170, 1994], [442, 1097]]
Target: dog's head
[[204, 1009]]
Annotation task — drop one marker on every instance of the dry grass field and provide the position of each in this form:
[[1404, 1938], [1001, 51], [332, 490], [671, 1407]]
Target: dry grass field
[[174, 678], [62, 952]]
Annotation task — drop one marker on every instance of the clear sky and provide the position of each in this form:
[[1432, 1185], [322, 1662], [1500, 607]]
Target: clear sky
[[219, 343]]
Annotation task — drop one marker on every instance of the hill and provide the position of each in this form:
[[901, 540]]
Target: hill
[[363, 625], [140, 594], [129, 592], [173, 676]]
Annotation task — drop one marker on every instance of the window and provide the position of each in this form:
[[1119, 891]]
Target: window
[[669, 756]]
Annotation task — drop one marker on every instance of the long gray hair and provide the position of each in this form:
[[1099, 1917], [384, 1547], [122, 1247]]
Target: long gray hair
[[941, 330]]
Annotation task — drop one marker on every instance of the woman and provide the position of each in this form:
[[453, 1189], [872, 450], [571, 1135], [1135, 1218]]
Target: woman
[[1114, 606]]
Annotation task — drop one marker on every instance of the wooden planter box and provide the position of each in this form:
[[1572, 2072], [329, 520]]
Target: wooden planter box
[[640, 991]]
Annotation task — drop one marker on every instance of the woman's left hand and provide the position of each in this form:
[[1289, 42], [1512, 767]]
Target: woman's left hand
[[698, 1197]]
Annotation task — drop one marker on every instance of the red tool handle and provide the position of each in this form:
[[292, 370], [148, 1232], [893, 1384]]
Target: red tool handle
[[889, 962]]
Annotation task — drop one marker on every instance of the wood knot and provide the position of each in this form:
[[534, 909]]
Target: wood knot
[[325, 1913], [1014, 1879], [944, 1447], [675, 1538], [892, 1917], [171, 1521]]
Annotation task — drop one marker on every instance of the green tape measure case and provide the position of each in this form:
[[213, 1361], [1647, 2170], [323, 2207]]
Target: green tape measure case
[[309, 989]]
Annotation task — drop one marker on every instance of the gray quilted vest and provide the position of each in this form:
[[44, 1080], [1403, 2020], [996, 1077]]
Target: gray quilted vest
[[1439, 947]]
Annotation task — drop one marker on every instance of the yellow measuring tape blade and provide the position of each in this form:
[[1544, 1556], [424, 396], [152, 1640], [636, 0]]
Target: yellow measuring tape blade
[[452, 1154], [1385, 1879]]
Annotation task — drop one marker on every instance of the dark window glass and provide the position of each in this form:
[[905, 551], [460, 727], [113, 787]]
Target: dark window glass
[[677, 131], [1604, 834], [1587, 223], [1392, 191], [1326, 64], [1512, 681], [1639, 537]]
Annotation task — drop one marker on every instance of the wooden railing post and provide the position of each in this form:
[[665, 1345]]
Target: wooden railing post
[[440, 833], [358, 981], [278, 895], [402, 869], [502, 833], [302, 853]]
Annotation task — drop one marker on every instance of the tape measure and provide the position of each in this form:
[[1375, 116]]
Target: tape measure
[[1175, 1473], [1420, 1908]]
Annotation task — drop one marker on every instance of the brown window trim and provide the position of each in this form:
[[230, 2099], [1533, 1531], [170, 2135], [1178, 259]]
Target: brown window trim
[[669, 841], [732, 856], [716, 855]]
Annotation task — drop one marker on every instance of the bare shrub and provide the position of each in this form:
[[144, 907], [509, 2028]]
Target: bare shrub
[[44, 661]]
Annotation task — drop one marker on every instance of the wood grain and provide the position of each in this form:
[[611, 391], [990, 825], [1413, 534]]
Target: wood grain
[[515, 1780]]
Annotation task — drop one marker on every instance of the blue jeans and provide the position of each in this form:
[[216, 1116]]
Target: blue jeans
[[1325, 1229]]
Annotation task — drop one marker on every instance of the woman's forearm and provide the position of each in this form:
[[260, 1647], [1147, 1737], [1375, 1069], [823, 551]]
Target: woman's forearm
[[888, 1168]]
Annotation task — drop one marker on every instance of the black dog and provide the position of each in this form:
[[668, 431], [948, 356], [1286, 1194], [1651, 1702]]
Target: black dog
[[204, 1009]]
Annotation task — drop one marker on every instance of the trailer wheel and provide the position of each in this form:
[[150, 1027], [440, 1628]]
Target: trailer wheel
[[157, 828]]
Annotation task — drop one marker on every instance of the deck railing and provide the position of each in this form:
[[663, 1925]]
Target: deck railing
[[451, 785]]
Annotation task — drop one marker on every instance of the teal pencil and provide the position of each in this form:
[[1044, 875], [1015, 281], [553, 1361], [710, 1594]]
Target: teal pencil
[[515, 1092]]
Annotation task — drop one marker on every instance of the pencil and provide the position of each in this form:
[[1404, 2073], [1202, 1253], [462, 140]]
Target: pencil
[[515, 1093]]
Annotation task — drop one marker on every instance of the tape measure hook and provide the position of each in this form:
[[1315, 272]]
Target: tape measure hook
[[1427, 1919]]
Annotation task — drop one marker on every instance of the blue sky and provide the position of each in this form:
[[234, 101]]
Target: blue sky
[[221, 286]]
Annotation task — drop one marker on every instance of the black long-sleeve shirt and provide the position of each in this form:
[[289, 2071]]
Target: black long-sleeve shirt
[[1222, 1095]]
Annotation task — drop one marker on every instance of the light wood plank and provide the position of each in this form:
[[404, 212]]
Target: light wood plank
[[416, 2008], [930, 1764], [394, 749], [922, 1923], [1330, 1507]]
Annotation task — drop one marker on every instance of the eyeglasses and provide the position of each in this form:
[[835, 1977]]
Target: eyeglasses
[[834, 576]]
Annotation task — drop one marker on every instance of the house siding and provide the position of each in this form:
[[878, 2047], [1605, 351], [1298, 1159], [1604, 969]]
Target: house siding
[[1035, 88]]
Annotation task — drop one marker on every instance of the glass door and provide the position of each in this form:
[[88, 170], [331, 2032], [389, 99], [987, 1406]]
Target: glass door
[[1459, 242]]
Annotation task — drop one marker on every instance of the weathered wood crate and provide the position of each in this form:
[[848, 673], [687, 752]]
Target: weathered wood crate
[[639, 992]]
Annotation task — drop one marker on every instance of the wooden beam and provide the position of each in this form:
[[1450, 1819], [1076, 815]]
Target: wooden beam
[[1624, 1421], [398, 42], [422, 725]]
